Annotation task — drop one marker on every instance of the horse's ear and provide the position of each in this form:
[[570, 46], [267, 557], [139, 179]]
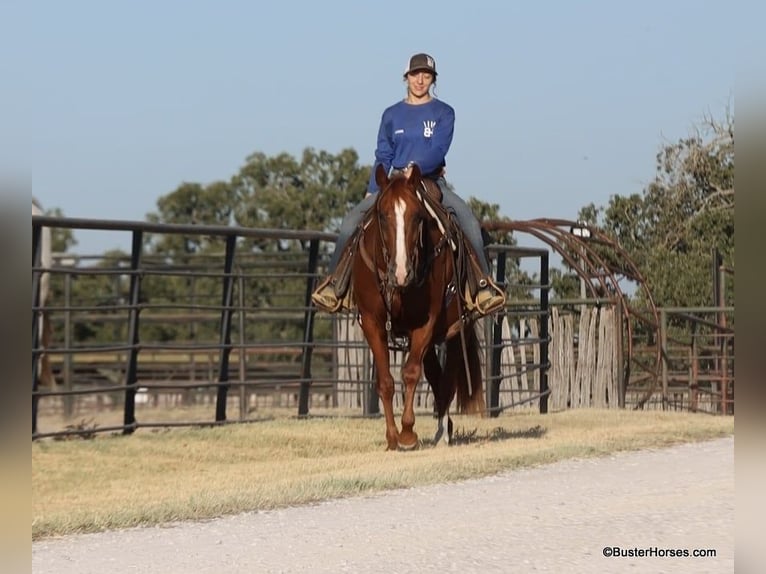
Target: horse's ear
[[415, 175], [381, 177]]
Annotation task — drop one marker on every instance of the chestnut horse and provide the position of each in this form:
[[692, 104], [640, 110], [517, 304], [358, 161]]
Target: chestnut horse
[[405, 285]]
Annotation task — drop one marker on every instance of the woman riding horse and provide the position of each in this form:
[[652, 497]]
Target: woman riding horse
[[415, 131]]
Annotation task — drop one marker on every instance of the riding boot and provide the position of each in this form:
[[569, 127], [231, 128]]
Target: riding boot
[[482, 294], [333, 292], [324, 296], [489, 298]]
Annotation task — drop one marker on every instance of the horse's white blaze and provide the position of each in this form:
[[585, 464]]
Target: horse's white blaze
[[401, 252]]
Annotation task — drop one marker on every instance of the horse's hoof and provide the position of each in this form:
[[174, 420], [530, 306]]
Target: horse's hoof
[[408, 443]]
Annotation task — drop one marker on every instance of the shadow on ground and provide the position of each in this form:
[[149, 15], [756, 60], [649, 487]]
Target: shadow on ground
[[462, 436]]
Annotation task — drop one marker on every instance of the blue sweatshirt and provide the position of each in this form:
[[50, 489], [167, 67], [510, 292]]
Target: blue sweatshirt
[[414, 133]]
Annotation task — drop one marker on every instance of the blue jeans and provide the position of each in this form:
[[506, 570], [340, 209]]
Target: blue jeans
[[451, 201], [467, 221]]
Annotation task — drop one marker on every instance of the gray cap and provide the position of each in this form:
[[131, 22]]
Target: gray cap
[[421, 63]]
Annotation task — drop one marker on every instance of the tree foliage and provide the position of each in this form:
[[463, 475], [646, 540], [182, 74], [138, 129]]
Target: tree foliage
[[62, 240], [311, 194], [192, 203], [687, 211]]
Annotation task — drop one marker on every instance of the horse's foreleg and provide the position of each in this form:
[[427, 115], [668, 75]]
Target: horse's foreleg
[[411, 371], [420, 342], [384, 381]]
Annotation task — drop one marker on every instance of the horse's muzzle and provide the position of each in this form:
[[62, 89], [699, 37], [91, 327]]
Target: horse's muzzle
[[401, 278]]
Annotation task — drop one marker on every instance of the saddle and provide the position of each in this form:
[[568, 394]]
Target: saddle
[[467, 268]]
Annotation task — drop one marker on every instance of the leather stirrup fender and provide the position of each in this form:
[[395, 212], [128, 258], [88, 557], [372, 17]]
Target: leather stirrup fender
[[345, 264]]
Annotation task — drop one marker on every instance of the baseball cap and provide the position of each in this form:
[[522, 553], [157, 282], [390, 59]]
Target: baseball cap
[[421, 62]]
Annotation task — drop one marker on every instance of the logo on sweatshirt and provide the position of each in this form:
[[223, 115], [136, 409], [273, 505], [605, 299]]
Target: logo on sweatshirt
[[428, 128]]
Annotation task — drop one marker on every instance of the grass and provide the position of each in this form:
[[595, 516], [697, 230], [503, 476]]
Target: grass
[[156, 477]]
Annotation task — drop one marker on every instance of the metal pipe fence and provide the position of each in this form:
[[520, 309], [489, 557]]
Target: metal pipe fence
[[149, 329], [191, 339]]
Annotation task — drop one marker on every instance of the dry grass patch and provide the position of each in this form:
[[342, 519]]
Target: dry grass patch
[[162, 476]]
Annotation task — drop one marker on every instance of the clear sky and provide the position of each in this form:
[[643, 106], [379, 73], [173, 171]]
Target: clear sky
[[558, 104]]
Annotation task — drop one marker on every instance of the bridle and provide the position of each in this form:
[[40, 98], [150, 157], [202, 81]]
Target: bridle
[[386, 284], [413, 255]]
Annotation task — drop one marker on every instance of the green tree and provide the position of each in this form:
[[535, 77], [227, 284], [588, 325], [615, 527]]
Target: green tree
[[311, 194], [268, 192], [192, 203], [687, 211], [564, 285], [92, 292], [62, 240]]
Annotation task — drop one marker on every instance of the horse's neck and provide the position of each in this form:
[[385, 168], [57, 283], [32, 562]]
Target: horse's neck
[[432, 190], [369, 241]]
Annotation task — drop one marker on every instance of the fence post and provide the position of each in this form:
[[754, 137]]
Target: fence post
[[37, 230], [622, 381], [664, 356], [544, 335], [243, 389], [227, 301], [724, 341], [68, 359], [131, 378], [308, 329], [497, 346]]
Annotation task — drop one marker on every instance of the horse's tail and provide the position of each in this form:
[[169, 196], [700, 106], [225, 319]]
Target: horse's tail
[[465, 368]]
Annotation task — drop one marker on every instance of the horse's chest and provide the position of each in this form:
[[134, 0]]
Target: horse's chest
[[409, 310]]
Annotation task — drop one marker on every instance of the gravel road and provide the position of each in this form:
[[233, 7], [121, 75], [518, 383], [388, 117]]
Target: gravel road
[[554, 518]]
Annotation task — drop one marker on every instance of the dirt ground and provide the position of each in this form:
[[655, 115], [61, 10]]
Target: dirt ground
[[565, 517]]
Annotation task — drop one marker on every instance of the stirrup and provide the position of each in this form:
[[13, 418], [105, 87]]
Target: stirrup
[[488, 302], [324, 297], [489, 298]]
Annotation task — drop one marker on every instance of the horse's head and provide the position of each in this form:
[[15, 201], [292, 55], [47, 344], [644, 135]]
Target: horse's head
[[401, 216]]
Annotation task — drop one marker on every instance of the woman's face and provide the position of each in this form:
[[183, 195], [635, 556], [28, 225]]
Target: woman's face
[[418, 83]]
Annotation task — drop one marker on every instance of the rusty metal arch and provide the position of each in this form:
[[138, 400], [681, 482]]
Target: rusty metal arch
[[601, 279]]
